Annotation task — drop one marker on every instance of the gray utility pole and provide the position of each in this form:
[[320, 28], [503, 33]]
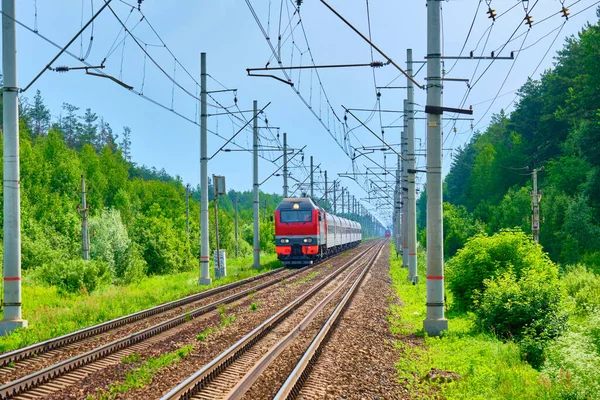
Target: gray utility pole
[[326, 197], [397, 208], [342, 201], [205, 278], [349, 206], [187, 208], [404, 147], [285, 166], [413, 275], [236, 226], [334, 197], [256, 199], [435, 322], [535, 206], [216, 206], [312, 182], [12, 182], [85, 233]]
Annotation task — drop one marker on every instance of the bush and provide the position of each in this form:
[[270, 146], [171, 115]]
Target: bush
[[485, 257], [527, 309], [571, 359], [583, 286], [73, 276]]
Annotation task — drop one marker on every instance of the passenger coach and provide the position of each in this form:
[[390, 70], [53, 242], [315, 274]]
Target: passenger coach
[[304, 232]]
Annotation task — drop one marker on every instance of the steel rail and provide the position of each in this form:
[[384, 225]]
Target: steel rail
[[188, 388], [40, 377], [293, 384], [61, 341], [251, 376], [37, 378]]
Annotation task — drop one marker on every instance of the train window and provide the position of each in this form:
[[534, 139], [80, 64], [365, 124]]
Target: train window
[[296, 216]]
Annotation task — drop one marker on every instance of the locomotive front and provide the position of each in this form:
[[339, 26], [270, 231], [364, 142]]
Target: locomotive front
[[298, 231]]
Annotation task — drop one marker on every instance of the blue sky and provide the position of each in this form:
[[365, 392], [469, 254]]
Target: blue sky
[[227, 31]]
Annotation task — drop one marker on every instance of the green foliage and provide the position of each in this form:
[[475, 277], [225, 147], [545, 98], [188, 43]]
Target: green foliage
[[571, 359], [73, 276], [489, 367], [583, 287], [459, 226], [484, 257], [526, 309]]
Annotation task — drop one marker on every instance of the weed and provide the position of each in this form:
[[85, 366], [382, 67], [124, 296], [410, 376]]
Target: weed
[[142, 375], [254, 306], [130, 359], [202, 336], [188, 317], [306, 278]]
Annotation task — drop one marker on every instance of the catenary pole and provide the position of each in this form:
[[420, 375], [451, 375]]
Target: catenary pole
[[237, 246], [342, 201], [334, 197], [404, 147], [85, 233], [535, 205], [312, 193], [187, 208], [12, 196], [255, 187], [435, 322], [412, 199], [397, 208], [285, 166], [326, 197], [205, 278]]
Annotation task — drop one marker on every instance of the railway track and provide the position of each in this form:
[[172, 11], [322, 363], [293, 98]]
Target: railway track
[[234, 371], [70, 370]]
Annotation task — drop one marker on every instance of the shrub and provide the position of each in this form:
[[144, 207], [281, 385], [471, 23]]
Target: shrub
[[571, 359], [484, 257], [74, 275], [583, 286]]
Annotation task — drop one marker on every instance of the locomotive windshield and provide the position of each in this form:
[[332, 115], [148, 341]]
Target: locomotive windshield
[[288, 216]]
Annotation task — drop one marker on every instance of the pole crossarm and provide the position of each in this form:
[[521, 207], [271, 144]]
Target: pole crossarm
[[279, 169], [370, 130], [239, 131], [389, 60]]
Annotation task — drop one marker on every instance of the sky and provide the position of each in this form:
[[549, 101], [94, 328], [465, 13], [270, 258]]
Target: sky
[[174, 33]]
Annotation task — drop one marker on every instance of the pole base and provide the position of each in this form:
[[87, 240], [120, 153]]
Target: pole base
[[7, 327], [204, 281], [434, 327], [413, 279]]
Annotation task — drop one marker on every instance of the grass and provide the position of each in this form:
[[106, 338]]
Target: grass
[[490, 368], [51, 314], [225, 320], [142, 375], [307, 278]]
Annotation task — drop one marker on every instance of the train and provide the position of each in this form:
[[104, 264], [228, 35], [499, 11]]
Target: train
[[305, 233], [388, 233]]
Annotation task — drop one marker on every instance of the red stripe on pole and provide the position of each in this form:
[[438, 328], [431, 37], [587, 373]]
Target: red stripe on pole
[[412, 254], [205, 257], [12, 278], [435, 278]]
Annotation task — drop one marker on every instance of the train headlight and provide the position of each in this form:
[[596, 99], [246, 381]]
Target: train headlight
[[284, 240], [307, 240]]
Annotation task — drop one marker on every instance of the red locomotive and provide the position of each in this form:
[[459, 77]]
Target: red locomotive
[[388, 233], [304, 232]]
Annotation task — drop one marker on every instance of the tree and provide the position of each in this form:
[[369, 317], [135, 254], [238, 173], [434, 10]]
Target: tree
[[89, 130], [126, 143], [70, 125], [106, 136], [39, 115]]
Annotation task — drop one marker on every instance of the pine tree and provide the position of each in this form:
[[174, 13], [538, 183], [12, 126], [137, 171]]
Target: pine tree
[[126, 143], [106, 136], [89, 131], [70, 124], [39, 116]]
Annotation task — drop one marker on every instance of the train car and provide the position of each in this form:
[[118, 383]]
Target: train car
[[305, 233], [388, 233]]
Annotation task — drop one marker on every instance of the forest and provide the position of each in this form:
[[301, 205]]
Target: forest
[[137, 214]]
